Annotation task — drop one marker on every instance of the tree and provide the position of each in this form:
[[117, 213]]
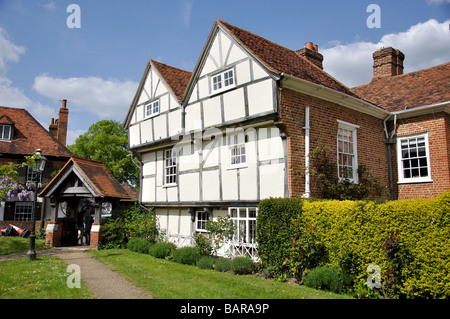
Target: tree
[[107, 141]]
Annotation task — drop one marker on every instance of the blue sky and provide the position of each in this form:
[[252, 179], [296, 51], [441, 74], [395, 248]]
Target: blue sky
[[98, 67]]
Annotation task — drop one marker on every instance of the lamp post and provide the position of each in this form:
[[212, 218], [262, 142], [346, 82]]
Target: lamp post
[[38, 168]]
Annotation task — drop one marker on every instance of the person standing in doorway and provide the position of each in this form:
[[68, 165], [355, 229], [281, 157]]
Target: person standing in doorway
[[80, 227], [88, 220]]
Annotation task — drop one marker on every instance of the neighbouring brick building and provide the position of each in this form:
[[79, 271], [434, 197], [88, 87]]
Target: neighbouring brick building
[[240, 127], [21, 135]]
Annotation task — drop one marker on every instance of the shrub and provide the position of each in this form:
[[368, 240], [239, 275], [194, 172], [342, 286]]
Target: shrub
[[242, 265], [139, 245], [203, 244], [275, 230], [206, 262], [161, 250], [222, 264], [186, 255], [329, 278]]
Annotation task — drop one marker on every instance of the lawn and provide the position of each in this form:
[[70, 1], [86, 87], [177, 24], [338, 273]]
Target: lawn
[[9, 245], [169, 280], [42, 278]]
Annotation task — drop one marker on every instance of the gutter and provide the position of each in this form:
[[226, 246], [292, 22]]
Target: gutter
[[390, 140], [307, 175]]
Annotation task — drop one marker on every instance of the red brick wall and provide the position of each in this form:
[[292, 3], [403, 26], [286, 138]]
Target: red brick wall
[[323, 131], [438, 128]]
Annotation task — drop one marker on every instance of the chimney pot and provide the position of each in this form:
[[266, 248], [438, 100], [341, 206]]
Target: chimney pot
[[316, 47], [62, 120], [309, 45], [64, 104]]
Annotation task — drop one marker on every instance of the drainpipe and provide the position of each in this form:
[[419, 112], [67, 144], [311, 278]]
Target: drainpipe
[[307, 175], [390, 140]]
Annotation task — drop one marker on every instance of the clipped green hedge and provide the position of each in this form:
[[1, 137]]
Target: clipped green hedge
[[365, 230], [274, 229]]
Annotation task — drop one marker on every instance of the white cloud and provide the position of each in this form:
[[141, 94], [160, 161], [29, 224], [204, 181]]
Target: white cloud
[[10, 95], [50, 6], [186, 12], [9, 52], [108, 99], [424, 45]]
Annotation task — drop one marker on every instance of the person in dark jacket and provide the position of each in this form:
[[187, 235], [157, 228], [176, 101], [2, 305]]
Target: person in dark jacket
[[88, 220]]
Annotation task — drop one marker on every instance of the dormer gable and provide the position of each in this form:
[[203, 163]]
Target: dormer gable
[[6, 128]]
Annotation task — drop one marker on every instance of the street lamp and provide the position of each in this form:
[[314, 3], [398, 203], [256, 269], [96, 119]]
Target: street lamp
[[38, 168]]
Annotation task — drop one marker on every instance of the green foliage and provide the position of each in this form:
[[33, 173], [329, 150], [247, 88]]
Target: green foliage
[[186, 255], [362, 291], [220, 231], [203, 244], [307, 250], [328, 278], [407, 239], [131, 222], [242, 265], [332, 188], [222, 264], [161, 250], [107, 141], [139, 245], [274, 231], [206, 262]]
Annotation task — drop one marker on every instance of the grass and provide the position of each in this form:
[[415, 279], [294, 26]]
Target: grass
[[9, 245], [169, 280], [42, 278]]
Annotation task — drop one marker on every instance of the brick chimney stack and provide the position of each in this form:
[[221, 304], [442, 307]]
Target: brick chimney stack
[[387, 62], [311, 53], [63, 118]]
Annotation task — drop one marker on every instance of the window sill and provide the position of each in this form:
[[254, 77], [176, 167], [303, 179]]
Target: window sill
[[244, 165], [228, 88], [169, 185], [412, 181]]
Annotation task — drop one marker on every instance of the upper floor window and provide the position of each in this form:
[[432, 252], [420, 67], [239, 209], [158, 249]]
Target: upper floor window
[[236, 149], [5, 132], [170, 166], [223, 81], [152, 108], [413, 159], [347, 152]]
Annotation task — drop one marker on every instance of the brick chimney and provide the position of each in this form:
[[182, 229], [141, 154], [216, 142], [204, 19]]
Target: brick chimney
[[387, 62], [63, 118], [311, 53], [53, 128]]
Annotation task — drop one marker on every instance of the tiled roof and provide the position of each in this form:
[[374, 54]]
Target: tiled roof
[[177, 79], [96, 174], [420, 88], [283, 60], [29, 135]]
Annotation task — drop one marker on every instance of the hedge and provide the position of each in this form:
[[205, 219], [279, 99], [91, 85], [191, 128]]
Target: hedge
[[407, 239]]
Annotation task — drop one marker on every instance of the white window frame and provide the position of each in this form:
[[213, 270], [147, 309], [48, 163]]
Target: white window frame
[[353, 152], [401, 161], [170, 167], [245, 224], [23, 211], [151, 109], [201, 218], [3, 136], [237, 151], [223, 81]]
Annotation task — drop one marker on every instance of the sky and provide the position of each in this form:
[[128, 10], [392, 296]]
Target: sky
[[94, 54]]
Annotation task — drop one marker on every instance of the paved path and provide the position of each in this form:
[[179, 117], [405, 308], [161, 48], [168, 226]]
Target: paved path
[[105, 283]]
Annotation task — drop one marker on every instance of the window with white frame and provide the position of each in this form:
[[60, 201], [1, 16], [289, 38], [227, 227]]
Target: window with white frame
[[236, 150], [170, 166], [5, 132], [244, 219], [151, 108], [31, 175], [413, 159], [23, 211], [347, 152], [201, 218], [223, 81]]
